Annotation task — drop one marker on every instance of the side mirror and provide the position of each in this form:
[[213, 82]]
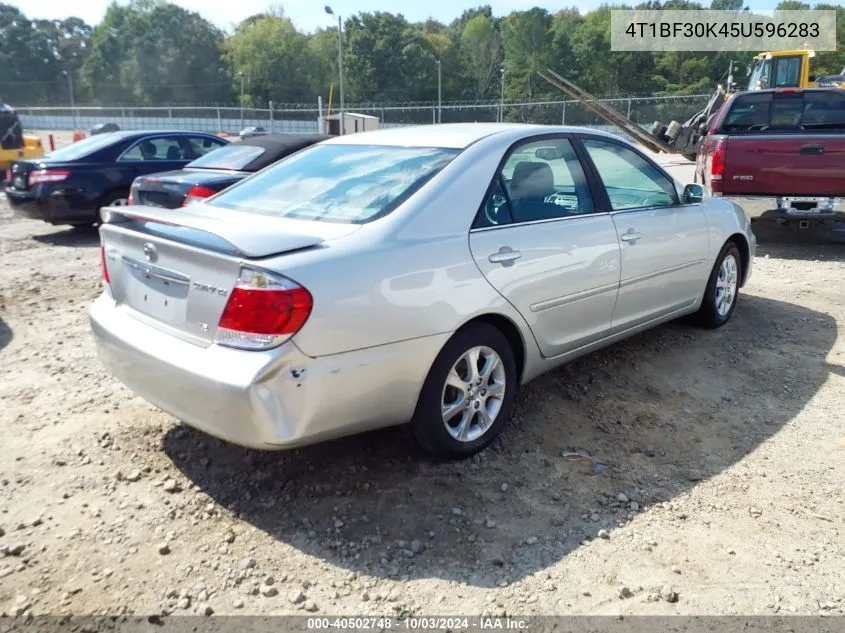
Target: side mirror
[[693, 194]]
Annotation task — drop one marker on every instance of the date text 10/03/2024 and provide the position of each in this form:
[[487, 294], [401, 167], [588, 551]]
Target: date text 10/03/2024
[[418, 623]]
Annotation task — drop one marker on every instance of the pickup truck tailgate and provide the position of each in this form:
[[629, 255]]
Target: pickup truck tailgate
[[785, 164]]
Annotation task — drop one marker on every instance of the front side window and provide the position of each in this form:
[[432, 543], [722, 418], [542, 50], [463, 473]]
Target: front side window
[[539, 180], [337, 183], [631, 181], [161, 148]]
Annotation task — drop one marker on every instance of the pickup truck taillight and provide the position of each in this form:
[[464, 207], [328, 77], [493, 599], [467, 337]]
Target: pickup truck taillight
[[717, 165]]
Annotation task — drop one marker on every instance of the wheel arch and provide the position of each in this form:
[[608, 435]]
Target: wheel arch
[[744, 252], [510, 331]]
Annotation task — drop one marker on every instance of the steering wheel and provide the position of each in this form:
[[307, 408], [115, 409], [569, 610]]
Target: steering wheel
[[657, 197], [492, 208]]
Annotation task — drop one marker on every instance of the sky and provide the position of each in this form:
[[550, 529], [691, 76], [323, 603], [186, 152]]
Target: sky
[[308, 15]]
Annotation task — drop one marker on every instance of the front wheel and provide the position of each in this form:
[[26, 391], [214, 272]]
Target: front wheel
[[468, 394], [722, 291]]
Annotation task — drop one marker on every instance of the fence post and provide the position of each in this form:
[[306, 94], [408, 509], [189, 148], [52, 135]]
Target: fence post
[[169, 113], [219, 121], [629, 108], [271, 116], [563, 115]]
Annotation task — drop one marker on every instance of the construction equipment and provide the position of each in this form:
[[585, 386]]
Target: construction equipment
[[14, 144], [674, 138], [788, 69]]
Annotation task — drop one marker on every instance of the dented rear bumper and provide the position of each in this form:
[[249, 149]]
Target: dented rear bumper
[[272, 399]]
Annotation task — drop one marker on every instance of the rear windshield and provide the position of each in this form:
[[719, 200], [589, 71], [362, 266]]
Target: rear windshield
[[337, 183], [84, 147], [234, 156], [786, 112]]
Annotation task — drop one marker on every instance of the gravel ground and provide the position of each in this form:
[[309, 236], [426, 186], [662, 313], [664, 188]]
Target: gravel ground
[[715, 482]]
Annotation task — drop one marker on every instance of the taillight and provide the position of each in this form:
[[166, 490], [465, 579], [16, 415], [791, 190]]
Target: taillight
[[198, 192], [130, 199], [9, 175], [42, 176], [717, 165], [104, 265], [263, 311]]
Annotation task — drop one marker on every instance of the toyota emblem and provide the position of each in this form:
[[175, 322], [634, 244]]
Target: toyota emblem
[[150, 252]]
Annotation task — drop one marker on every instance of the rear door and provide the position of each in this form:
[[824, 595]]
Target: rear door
[[785, 143], [539, 240], [664, 244]]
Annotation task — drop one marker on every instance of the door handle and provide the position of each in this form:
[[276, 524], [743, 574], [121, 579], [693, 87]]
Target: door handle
[[811, 149], [630, 236], [505, 255]]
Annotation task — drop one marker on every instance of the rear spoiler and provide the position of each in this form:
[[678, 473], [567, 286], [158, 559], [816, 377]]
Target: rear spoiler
[[250, 235]]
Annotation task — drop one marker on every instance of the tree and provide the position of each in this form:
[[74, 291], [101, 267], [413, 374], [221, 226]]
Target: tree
[[481, 55], [152, 52], [274, 59]]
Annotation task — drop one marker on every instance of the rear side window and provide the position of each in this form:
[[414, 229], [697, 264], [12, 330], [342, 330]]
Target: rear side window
[[161, 148], [337, 183], [787, 111], [232, 156]]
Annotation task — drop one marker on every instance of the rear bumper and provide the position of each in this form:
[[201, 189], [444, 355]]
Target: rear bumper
[[274, 399], [50, 207], [783, 207]]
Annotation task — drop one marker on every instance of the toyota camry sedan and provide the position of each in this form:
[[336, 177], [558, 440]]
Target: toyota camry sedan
[[412, 276]]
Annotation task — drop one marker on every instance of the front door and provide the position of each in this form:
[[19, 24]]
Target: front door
[[664, 243], [540, 242]]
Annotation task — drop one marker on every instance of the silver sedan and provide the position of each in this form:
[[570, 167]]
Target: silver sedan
[[412, 275]]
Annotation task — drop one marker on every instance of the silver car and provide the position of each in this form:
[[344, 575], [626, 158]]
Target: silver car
[[414, 275]]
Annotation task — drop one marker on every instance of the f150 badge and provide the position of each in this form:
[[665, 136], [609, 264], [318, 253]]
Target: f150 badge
[[743, 177]]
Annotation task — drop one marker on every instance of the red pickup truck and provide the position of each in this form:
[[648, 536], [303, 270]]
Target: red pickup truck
[[780, 154]]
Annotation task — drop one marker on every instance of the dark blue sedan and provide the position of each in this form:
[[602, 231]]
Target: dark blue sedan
[[69, 185]]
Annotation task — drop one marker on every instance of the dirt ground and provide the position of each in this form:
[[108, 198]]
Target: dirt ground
[[715, 484]]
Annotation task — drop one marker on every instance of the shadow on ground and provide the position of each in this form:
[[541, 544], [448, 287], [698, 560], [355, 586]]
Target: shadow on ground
[[73, 237], [790, 242], [661, 411], [6, 335]]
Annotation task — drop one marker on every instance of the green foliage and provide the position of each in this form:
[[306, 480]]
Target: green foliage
[[152, 52]]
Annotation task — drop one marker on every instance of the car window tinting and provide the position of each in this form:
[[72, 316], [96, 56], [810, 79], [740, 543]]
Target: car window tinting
[[787, 112], [234, 156], [83, 147], [155, 149], [337, 183]]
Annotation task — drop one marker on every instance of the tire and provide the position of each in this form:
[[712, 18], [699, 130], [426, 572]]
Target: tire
[[713, 313], [690, 156], [429, 428]]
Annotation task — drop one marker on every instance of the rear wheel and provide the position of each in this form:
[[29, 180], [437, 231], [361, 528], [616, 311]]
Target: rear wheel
[[722, 291], [468, 394]]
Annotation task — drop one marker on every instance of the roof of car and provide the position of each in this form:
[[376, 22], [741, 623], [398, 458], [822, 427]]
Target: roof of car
[[446, 135], [278, 146], [127, 133]]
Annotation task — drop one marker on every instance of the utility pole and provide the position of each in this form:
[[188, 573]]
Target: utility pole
[[502, 101], [70, 92], [439, 93], [242, 100], [328, 10]]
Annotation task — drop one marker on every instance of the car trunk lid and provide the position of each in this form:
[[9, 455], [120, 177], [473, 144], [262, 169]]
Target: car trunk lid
[[175, 269]]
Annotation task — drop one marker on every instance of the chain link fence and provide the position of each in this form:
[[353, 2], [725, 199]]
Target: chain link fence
[[303, 119]]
